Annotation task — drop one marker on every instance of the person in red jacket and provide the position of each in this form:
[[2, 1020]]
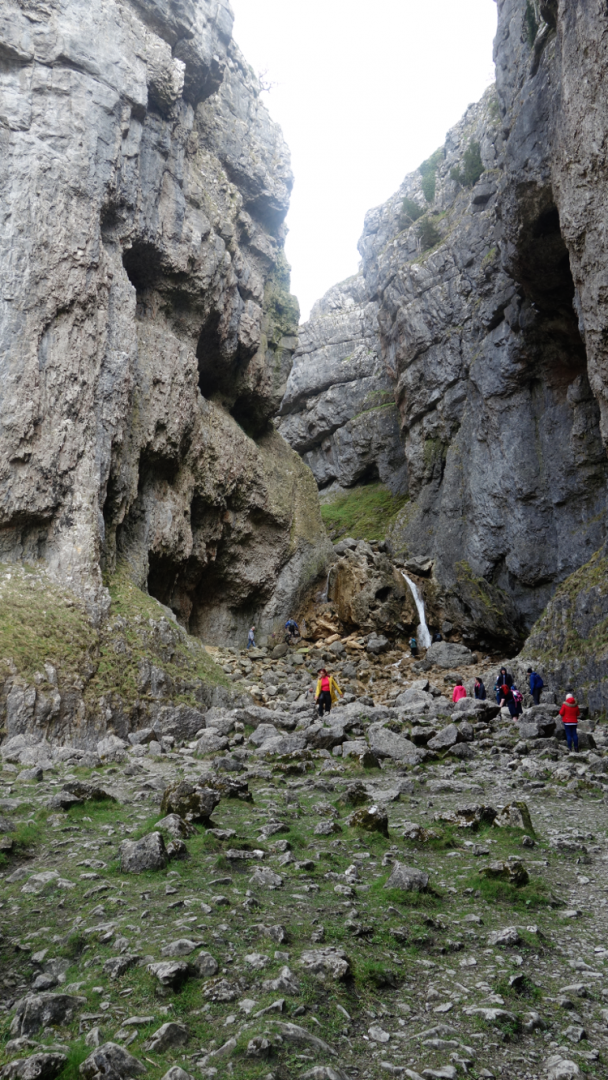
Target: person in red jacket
[[459, 691], [570, 713]]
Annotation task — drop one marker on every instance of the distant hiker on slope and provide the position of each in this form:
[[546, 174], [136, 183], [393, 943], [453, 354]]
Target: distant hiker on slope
[[507, 699], [502, 679], [459, 691], [570, 713], [413, 646], [480, 690], [251, 638], [536, 685], [327, 691]]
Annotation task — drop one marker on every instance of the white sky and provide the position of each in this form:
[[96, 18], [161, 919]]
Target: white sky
[[364, 93]]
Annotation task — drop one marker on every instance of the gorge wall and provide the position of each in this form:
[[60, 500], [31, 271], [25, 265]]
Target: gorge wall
[[483, 286], [146, 325]]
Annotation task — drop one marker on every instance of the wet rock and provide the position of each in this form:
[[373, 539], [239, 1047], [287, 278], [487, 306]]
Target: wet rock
[[110, 1062], [189, 802], [407, 879], [370, 819], [149, 853], [331, 961]]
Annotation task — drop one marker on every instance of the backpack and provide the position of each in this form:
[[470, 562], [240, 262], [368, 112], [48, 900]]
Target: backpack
[[505, 690], [517, 697]]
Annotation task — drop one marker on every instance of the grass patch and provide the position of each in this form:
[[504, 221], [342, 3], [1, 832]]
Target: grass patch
[[533, 895], [365, 513], [375, 973], [77, 1053]]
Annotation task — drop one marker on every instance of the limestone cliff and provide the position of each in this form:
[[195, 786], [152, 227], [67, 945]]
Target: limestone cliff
[[486, 270], [146, 326]]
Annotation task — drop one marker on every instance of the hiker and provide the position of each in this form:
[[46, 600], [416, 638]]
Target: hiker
[[502, 679], [518, 699], [459, 691], [436, 637], [507, 699], [480, 690], [327, 691], [251, 638], [413, 646], [536, 685], [570, 713], [293, 631]]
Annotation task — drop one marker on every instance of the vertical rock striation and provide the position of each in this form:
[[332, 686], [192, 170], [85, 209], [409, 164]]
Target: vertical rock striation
[[487, 272], [146, 326]]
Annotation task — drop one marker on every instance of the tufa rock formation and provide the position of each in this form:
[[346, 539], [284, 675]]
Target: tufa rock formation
[[146, 325], [482, 292]]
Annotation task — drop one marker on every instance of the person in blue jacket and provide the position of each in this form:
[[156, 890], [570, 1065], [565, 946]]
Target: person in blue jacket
[[536, 685]]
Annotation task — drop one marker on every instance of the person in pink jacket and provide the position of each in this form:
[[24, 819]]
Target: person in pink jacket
[[459, 692]]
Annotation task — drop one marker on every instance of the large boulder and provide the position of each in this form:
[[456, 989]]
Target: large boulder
[[407, 878], [211, 742], [36, 1011], [181, 721], [446, 738], [370, 819], [385, 743], [444, 654], [189, 802], [110, 1062], [149, 853], [368, 592], [515, 815], [331, 961], [36, 1067]]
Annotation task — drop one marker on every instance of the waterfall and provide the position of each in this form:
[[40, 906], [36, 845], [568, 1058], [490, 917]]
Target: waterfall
[[424, 637], [325, 595]]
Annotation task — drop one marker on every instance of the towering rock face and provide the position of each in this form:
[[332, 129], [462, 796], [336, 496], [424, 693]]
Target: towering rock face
[[487, 270], [339, 409], [146, 326]]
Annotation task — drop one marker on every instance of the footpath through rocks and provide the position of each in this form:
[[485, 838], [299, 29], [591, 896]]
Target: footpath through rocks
[[407, 887]]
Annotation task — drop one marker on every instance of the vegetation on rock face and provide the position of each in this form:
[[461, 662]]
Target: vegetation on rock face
[[410, 212], [365, 513], [429, 233], [428, 169], [472, 166], [531, 23]]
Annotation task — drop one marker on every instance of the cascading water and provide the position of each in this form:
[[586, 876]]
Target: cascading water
[[325, 595], [424, 637]]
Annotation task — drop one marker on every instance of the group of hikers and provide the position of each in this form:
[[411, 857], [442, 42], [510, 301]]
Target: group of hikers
[[292, 634], [508, 696]]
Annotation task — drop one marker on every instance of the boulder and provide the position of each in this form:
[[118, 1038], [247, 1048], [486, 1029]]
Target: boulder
[[384, 743], [176, 827], [407, 878], [266, 879], [513, 871], [369, 818], [189, 802], [117, 966], [149, 853], [36, 1067], [377, 643], [211, 742], [468, 817], [204, 966], [444, 654], [446, 738], [537, 729], [111, 749], [36, 1011], [110, 1062], [509, 937], [319, 737], [86, 792], [262, 733], [355, 795], [168, 1036], [515, 815], [181, 947], [170, 973], [331, 961]]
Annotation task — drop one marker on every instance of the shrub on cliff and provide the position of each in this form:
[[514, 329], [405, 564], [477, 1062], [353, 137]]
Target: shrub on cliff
[[428, 169], [429, 233], [472, 166], [410, 212]]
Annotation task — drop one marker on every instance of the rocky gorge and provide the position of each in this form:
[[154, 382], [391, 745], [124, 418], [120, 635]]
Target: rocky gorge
[[199, 875]]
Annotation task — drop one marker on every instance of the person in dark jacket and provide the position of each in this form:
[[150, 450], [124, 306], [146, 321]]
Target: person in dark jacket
[[436, 637], [506, 698], [536, 685], [413, 646], [480, 690], [502, 679]]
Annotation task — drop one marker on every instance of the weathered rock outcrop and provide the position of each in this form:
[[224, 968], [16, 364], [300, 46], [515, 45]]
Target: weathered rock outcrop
[[339, 408], [146, 326], [487, 271]]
